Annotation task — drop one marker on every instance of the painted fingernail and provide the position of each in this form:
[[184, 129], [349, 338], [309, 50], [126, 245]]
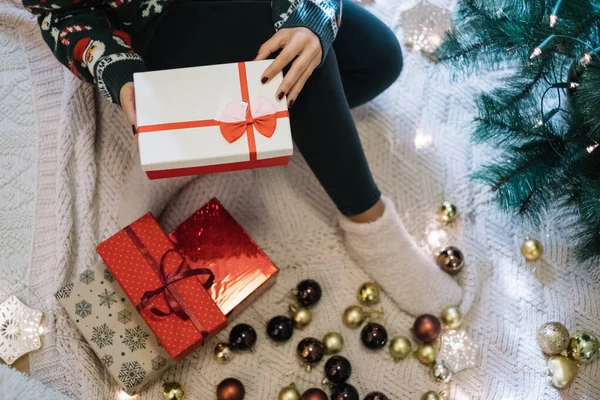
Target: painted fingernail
[[133, 129], [280, 95], [291, 103], [264, 79]]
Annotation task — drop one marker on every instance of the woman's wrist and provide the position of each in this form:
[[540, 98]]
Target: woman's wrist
[[115, 71]]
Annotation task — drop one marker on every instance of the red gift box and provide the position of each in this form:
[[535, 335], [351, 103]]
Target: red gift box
[[166, 292], [212, 239]]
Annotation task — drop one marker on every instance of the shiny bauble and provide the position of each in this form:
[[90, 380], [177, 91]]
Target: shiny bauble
[[344, 392], [562, 371], [532, 249], [441, 372], [450, 259], [280, 328], [289, 393], [314, 394], [223, 352], [337, 370], [583, 347], [374, 336], [333, 342], [400, 348], [376, 396], [310, 350], [426, 353], [427, 328], [353, 317], [242, 337], [308, 293], [368, 294], [431, 395], [231, 389], [301, 316], [172, 391], [553, 338], [448, 212], [452, 317]]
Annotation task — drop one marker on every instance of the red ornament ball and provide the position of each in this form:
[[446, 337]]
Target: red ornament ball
[[427, 328], [231, 389], [314, 394]]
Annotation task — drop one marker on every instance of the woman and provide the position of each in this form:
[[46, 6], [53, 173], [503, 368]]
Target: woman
[[331, 65]]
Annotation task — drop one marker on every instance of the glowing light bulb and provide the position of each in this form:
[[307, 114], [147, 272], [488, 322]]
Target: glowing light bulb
[[124, 396], [573, 85], [437, 238], [536, 52], [592, 147], [539, 123], [41, 330], [422, 139], [553, 20]]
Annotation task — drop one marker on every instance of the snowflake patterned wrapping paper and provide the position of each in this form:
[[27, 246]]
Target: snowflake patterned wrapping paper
[[212, 239], [113, 328], [156, 278], [210, 119]]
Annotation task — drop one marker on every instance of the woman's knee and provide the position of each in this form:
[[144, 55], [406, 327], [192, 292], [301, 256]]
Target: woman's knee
[[389, 59]]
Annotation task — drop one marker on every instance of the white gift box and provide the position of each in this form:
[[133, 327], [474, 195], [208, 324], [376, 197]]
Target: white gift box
[[210, 119]]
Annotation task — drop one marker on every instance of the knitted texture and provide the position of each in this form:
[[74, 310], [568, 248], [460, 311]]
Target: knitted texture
[[16, 386], [89, 185]]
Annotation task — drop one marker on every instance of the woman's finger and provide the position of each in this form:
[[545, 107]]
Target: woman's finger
[[295, 90], [287, 55], [299, 67], [127, 98], [269, 47]]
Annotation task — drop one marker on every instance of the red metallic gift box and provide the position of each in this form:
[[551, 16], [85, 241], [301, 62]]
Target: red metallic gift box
[[212, 239], [166, 292]]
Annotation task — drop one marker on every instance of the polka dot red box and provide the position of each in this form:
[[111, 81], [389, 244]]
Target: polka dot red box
[[165, 290], [212, 239]]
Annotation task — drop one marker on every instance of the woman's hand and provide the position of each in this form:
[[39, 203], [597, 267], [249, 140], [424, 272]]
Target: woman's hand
[[127, 98], [302, 48]]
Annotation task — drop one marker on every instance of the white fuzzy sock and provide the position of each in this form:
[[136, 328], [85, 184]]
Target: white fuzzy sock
[[387, 252]]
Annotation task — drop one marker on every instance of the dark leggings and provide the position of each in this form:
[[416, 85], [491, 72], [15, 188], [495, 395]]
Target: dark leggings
[[364, 61]]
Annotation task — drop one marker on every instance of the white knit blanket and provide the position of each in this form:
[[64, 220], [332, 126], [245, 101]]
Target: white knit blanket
[[70, 177]]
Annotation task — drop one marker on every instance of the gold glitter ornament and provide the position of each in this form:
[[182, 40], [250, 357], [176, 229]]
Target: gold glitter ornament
[[452, 317], [583, 347], [19, 329], [289, 393], [441, 372], [172, 391], [400, 348], [368, 294], [427, 353], [448, 212], [333, 342], [431, 395], [532, 249], [223, 352], [562, 371], [553, 338], [353, 317], [301, 316]]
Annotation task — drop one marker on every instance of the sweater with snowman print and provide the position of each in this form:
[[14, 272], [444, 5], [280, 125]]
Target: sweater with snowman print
[[92, 38]]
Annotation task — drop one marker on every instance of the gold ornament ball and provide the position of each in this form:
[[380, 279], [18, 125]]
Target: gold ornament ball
[[532, 249], [431, 395], [223, 352], [448, 212], [452, 317], [289, 393], [368, 294], [562, 371], [553, 337], [583, 347], [172, 391], [353, 317], [301, 316], [400, 348], [333, 342], [441, 372], [426, 353]]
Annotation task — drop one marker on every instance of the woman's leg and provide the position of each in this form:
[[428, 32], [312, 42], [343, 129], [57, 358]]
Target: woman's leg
[[368, 54]]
